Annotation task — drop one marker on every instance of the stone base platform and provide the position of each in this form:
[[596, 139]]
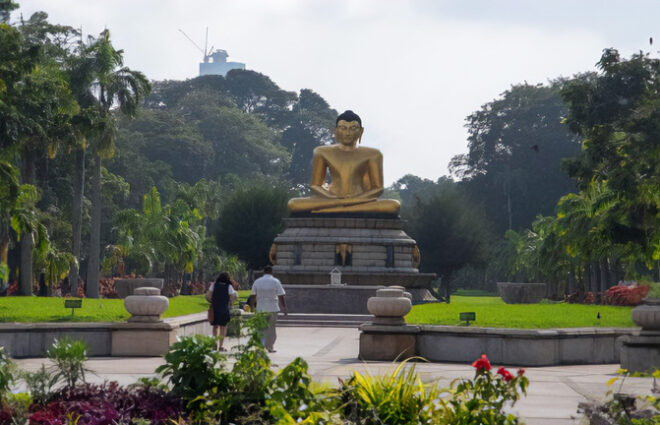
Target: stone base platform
[[521, 347], [102, 338], [339, 299], [367, 250], [641, 352]]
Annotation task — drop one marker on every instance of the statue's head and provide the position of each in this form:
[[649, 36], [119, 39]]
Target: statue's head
[[348, 128]]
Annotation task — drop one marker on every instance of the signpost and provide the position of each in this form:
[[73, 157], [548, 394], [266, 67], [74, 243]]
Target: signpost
[[467, 317], [73, 304]]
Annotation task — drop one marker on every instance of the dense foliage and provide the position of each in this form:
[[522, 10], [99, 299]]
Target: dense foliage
[[610, 229]]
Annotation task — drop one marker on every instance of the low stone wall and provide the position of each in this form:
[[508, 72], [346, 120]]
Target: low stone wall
[[103, 338], [520, 347]]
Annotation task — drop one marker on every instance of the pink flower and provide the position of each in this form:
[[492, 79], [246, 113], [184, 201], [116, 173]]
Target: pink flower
[[482, 363], [505, 374]]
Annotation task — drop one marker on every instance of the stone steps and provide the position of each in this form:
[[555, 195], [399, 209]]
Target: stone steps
[[323, 320]]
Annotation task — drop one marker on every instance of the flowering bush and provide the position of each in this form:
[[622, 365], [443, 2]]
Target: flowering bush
[[626, 294], [107, 287], [481, 400]]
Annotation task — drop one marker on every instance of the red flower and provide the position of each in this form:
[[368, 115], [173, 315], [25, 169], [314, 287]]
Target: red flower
[[505, 374], [521, 372], [482, 363]]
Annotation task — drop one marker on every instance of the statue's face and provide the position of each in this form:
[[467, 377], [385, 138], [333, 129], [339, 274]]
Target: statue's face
[[348, 132]]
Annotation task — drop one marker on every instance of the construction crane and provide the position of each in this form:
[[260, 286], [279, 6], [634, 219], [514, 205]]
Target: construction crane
[[205, 51]]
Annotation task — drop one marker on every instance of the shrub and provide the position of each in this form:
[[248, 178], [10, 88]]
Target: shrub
[[108, 404], [39, 384], [251, 375], [654, 290], [624, 409], [107, 287], [295, 399], [396, 398], [482, 400], [7, 374], [193, 367], [69, 358], [240, 396], [630, 295]]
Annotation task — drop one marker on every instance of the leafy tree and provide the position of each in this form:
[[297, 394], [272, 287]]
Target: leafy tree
[[510, 140], [251, 219], [159, 239], [255, 93], [6, 6], [35, 102], [311, 126], [617, 115], [244, 145], [449, 231], [108, 84]]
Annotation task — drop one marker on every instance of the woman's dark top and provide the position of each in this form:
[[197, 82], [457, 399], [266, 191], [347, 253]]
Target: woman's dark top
[[220, 303]]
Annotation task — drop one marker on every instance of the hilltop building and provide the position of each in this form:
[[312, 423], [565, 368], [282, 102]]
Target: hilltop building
[[216, 64]]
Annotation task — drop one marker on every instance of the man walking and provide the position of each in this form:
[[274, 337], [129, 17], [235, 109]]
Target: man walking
[[270, 297]]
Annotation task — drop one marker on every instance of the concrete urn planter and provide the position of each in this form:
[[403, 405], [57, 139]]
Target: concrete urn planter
[[647, 315], [146, 305], [521, 293], [389, 306]]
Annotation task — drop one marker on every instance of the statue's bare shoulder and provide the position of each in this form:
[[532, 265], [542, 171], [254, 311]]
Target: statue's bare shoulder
[[361, 151], [369, 152]]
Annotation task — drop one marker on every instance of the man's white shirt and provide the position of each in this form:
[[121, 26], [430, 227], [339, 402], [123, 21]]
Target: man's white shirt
[[267, 289]]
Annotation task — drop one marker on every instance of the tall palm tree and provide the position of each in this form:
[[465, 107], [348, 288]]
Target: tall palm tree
[[109, 86]]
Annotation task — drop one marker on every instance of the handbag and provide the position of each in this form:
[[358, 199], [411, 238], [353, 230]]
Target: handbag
[[210, 314]]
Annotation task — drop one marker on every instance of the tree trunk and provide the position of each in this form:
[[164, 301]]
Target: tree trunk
[[94, 257], [604, 276], [593, 278], [571, 283], [509, 211], [76, 216], [27, 241]]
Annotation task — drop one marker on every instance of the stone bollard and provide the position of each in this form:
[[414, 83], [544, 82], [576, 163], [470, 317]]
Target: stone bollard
[[146, 305], [389, 306]]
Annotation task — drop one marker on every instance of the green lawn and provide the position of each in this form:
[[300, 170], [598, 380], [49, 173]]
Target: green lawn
[[493, 312], [51, 309]]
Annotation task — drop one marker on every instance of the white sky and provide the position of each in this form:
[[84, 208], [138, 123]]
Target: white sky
[[413, 70]]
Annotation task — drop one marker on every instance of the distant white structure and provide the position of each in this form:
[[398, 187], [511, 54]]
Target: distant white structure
[[216, 64], [215, 61]]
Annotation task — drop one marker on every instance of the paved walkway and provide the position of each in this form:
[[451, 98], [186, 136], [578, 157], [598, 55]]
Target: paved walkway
[[552, 398]]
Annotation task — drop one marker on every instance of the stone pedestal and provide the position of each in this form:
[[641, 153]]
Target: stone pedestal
[[641, 352], [388, 337], [369, 251]]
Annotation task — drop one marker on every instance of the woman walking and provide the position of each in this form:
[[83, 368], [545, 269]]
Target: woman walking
[[223, 293]]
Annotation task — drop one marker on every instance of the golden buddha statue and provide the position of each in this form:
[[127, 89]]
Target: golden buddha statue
[[356, 175]]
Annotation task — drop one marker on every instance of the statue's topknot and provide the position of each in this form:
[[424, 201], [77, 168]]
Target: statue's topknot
[[349, 116]]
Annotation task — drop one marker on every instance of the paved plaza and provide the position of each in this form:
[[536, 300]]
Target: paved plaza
[[552, 399]]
